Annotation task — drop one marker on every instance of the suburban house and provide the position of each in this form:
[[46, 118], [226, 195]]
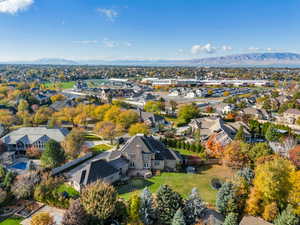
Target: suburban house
[[224, 131], [26, 137], [151, 119], [145, 153], [291, 115], [256, 113], [109, 167]]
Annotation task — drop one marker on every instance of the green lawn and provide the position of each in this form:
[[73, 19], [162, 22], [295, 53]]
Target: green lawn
[[180, 182], [189, 153], [101, 148], [92, 137], [62, 85], [11, 221], [67, 188]]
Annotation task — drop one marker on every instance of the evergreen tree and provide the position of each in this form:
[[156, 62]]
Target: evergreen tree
[[287, 217], [133, 209], [147, 211], [178, 218], [247, 173], [193, 208], [240, 135], [226, 201], [53, 155], [231, 219], [168, 202], [75, 215]]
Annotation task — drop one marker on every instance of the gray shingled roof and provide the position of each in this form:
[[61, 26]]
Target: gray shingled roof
[[29, 135]]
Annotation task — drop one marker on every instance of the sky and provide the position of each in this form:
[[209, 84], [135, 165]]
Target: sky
[[146, 29]]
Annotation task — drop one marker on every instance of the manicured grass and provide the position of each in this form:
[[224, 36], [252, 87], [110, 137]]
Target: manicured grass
[[67, 188], [92, 137], [180, 182], [62, 85], [101, 148], [189, 153], [11, 221]]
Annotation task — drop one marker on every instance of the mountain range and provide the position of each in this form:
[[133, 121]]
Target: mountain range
[[250, 59]]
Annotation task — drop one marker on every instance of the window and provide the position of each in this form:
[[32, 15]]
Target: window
[[131, 165], [156, 163], [147, 165]]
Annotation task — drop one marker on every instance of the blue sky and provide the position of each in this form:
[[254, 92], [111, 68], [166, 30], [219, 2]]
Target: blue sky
[[144, 29]]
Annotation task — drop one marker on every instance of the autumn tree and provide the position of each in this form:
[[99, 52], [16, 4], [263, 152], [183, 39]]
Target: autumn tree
[[270, 212], [42, 115], [112, 114], [240, 135], [75, 214], [99, 200], [235, 154], [272, 183], [138, 128], [107, 130], [173, 105], [127, 118], [187, 112], [6, 117], [43, 218], [58, 97], [133, 208], [23, 105], [73, 143]]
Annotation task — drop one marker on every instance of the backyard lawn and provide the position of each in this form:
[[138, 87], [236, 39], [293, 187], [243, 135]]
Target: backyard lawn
[[101, 148], [11, 221], [180, 182]]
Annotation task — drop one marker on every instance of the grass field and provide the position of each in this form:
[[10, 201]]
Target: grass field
[[62, 85], [11, 221], [180, 182], [101, 148], [189, 153]]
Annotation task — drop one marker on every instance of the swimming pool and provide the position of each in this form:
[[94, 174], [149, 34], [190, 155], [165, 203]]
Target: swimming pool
[[19, 166]]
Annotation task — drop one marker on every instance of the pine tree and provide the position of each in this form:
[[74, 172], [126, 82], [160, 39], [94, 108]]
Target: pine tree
[[178, 218], [231, 219], [168, 202], [240, 135], [226, 201], [193, 208], [147, 211], [287, 217], [134, 205], [75, 215]]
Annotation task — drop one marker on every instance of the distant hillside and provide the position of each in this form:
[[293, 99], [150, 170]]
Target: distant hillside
[[251, 59]]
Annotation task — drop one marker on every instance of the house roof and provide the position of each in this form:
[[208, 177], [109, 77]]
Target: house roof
[[293, 111], [29, 135], [251, 220], [58, 105], [152, 145]]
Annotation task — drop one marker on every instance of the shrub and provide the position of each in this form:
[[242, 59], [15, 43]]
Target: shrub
[[42, 218]]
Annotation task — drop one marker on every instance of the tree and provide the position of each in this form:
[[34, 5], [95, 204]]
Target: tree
[[6, 117], [193, 207], [138, 128], [287, 217], [73, 143], [112, 114], [178, 218], [259, 150], [58, 97], [43, 218], [272, 183], [99, 200], [235, 154], [23, 105], [127, 118], [53, 155], [2, 172], [100, 111], [231, 219], [188, 112], [294, 195], [75, 215], [272, 134], [8, 179], [24, 185], [168, 202], [107, 130], [33, 152], [226, 199], [42, 115], [147, 210], [240, 135], [270, 212], [133, 208], [153, 106], [173, 105]]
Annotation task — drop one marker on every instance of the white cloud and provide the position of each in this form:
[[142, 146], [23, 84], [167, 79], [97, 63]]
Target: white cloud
[[110, 14], [253, 48], [226, 48], [14, 6], [109, 43], [85, 42], [128, 44], [208, 48]]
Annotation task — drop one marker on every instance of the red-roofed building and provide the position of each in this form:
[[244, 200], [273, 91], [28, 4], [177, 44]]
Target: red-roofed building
[[294, 155]]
